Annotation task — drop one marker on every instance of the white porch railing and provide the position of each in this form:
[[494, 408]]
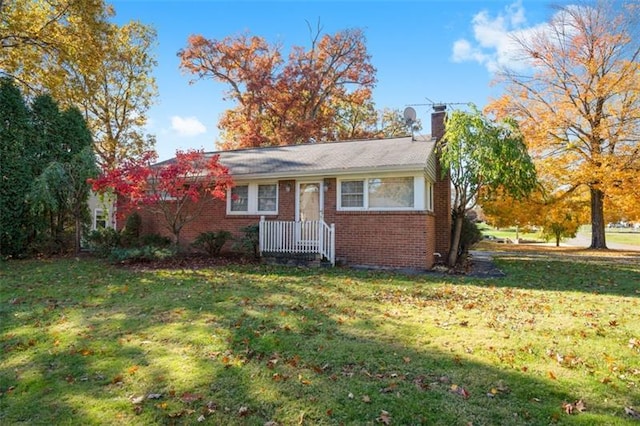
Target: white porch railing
[[311, 237]]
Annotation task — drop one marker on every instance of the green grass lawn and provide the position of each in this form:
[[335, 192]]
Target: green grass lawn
[[84, 342]]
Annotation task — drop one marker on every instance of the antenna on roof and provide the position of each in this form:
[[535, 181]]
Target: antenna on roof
[[409, 118], [440, 105]]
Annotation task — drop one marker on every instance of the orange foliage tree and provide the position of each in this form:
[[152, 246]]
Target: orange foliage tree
[[557, 215], [579, 106], [280, 102]]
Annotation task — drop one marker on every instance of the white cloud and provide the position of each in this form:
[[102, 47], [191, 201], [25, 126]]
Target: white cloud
[[493, 44], [187, 126]]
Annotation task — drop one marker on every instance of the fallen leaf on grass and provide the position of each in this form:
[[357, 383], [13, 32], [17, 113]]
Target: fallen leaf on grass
[[243, 411], [366, 399], [574, 408], [154, 396], [190, 397], [384, 418], [551, 375], [137, 399], [635, 414], [389, 389], [459, 390]]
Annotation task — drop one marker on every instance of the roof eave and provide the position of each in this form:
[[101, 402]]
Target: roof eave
[[330, 172]]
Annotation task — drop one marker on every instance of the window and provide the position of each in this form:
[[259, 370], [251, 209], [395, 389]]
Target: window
[[267, 198], [387, 193], [391, 192], [240, 198], [253, 199], [101, 219], [352, 194]]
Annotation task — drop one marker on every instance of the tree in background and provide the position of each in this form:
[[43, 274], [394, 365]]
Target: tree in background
[[391, 124], [116, 96], [59, 192], [562, 218], [45, 159], [579, 108], [558, 215], [482, 155], [171, 189], [280, 102], [70, 50]]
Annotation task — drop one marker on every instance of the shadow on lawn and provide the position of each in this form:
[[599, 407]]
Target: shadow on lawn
[[280, 354]]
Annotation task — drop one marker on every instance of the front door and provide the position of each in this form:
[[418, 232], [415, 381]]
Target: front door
[[309, 210]]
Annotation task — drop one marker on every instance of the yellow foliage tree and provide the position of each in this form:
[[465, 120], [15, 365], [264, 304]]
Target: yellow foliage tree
[[71, 50], [579, 108]]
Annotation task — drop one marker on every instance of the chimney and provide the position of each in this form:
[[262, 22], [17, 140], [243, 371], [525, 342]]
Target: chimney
[[442, 187], [437, 121]]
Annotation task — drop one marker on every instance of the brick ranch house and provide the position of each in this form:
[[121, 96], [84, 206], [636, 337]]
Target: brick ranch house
[[379, 203]]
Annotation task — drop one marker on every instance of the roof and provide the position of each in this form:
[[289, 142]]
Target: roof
[[332, 158]]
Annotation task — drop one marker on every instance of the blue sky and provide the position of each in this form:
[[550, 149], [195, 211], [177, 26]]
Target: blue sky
[[441, 51]]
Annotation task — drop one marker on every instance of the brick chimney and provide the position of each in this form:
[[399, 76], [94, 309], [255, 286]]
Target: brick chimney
[[442, 187]]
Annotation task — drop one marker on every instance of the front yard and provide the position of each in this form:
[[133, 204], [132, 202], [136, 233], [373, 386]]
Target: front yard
[[555, 341]]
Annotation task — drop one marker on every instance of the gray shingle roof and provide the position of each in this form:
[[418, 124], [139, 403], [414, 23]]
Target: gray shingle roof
[[334, 158]]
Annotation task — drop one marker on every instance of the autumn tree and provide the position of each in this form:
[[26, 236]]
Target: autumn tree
[[480, 154], [71, 50], [558, 215], [172, 189], [278, 101], [579, 104], [116, 96]]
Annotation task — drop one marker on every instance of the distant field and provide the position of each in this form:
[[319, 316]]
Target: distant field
[[627, 236], [509, 233], [617, 235]]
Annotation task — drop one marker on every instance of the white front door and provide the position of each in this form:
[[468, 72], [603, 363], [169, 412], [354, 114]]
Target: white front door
[[309, 211], [309, 201]]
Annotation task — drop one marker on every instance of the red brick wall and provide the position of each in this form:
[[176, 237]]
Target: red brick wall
[[214, 217], [394, 239]]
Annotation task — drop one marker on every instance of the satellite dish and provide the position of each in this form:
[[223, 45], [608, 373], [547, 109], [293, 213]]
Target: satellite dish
[[409, 115], [410, 118]]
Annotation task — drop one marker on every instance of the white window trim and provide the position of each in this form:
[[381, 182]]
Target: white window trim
[[97, 212], [419, 202], [429, 195], [252, 200]]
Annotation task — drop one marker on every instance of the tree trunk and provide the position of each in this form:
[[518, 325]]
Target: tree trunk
[[78, 235], [557, 240], [455, 241], [598, 240]]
